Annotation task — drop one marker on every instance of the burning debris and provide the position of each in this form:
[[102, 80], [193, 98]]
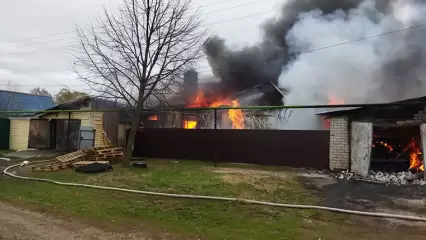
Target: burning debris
[[415, 166], [416, 159]]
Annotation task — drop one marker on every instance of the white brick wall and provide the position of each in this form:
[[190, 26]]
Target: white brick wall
[[339, 143]]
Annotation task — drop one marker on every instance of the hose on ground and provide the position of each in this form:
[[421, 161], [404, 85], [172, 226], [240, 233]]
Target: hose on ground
[[230, 199]]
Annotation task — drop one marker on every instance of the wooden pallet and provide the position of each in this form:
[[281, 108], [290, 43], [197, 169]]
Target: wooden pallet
[[111, 159], [109, 153], [101, 148], [83, 163], [52, 167], [110, 150], [71, 156]]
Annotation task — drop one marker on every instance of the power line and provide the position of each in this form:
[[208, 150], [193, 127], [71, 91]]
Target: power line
[[75, 31], [348, 42], [261, 13], [342, 43], [60, 49], [234, 7], [207, 24]]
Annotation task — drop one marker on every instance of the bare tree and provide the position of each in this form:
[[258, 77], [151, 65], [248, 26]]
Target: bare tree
[[140, 53], [40, 92]]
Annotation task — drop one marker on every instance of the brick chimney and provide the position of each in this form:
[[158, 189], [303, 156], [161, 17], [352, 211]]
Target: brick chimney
[[190, 84]]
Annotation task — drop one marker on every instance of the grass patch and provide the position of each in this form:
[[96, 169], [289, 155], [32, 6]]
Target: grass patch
[[188, 218]]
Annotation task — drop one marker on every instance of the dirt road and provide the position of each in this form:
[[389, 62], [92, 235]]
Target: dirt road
[[21, 224]]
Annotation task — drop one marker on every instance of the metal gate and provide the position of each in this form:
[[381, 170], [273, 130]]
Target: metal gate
[[361, 140], [86, 137]]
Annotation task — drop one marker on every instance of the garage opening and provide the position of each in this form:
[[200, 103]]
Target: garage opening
[[396, 149]]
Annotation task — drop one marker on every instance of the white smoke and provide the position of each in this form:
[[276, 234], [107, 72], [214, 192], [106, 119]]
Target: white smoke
[[352, 72]]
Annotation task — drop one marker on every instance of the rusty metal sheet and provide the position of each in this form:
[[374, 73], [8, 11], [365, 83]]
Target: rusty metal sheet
[[361, 140]]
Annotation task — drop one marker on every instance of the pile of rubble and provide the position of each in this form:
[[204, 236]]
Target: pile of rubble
[[399, 178]]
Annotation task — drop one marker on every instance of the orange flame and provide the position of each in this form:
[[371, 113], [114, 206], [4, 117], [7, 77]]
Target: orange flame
[[153, 118], [415, 162], [198, 101], [235, 115], [333, 100], [386, 145], [189, 124]]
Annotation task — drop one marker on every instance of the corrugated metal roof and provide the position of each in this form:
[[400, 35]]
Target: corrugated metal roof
[[335, 110], [348, 109], [15, 101]]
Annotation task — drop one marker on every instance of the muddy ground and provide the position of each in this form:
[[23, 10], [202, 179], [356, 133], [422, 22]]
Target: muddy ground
[[18, 224], [371, 197]]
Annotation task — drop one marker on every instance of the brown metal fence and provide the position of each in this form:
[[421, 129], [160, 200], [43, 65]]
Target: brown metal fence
[[308, 149]]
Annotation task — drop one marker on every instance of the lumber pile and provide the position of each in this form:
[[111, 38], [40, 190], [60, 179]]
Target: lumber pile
[[84, 163], [109, 154]]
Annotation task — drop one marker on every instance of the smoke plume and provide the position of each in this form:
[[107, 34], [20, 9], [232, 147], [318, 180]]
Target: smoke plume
[[386, 68], [378, 69]]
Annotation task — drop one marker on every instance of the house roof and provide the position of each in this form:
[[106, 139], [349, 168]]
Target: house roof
[[17, 101], [96, 103], [264, 94], [390, 106]]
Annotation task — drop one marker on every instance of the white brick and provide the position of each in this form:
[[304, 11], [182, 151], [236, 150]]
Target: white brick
[[339, 147]]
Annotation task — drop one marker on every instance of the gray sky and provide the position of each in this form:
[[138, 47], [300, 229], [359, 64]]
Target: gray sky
[[35, 35]]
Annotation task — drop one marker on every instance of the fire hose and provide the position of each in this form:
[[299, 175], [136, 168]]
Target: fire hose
[[229, 199]]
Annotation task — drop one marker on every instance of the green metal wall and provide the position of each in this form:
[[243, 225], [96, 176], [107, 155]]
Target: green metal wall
[[4, 133]]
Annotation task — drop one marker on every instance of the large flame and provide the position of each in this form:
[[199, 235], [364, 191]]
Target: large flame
[[415, 162], [235, 115]]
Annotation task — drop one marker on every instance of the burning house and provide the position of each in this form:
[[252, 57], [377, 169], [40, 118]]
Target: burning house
[[389, 138], [197, 96]]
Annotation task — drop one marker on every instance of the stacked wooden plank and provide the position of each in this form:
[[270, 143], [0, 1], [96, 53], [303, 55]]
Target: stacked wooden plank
[[104, 141], [109, 154], [62, 162], [84, 163]]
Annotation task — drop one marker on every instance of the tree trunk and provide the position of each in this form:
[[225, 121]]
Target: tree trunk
[[131, 140]]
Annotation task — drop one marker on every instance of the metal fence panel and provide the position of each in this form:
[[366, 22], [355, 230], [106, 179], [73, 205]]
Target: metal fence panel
[[309, 149]]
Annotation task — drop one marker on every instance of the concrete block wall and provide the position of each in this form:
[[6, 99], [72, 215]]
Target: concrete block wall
[[339, 143]]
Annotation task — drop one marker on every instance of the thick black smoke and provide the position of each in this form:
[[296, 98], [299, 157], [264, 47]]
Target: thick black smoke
[[399, 73], [242, 69]]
